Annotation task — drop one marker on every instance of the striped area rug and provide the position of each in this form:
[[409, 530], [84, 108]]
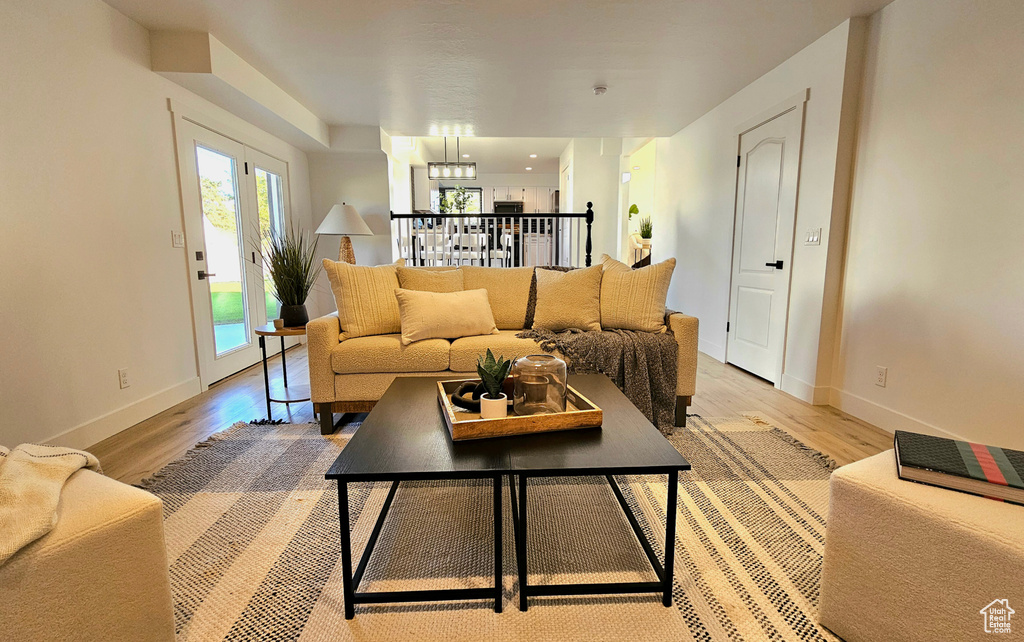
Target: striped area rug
[[252, 538]]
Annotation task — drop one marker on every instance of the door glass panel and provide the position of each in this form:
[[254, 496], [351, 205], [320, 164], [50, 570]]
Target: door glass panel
[[270, 202], [224, 260]]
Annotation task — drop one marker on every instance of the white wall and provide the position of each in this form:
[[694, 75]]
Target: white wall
[[694, 205], [934, 284], [596, 179], [359, 179], [90, 197]]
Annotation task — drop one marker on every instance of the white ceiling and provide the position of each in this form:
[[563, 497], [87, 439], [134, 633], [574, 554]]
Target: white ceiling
[[523, 68], [501, 155]]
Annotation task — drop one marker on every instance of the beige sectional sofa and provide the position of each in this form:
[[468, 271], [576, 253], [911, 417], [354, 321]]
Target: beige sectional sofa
[[351, 374]]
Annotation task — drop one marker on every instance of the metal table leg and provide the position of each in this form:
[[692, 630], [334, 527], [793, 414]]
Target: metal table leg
[[266, 376], [348, 592], [284, 364], [670, 537], [521, 553], [497, 545]]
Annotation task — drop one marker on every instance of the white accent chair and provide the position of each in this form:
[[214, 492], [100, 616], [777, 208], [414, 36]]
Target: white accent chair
[[100, 574]]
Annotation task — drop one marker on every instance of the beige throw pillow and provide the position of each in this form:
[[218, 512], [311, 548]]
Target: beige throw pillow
[[568, 299], [444, 315], [508, 290], [365, 297], [635, 299], [430, 280]]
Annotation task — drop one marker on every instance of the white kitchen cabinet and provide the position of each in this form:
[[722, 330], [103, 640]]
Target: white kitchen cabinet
[[530, 205]]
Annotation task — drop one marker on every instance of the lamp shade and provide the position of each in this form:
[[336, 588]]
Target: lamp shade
[[344, 220]]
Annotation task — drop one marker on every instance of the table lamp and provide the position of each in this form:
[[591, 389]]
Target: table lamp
[[344, 220]]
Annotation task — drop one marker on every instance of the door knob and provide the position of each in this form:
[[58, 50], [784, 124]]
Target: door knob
[[777, 265], [203, 274]]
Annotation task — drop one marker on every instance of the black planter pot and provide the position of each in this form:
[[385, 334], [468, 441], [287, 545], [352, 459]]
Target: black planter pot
[[294, 316]]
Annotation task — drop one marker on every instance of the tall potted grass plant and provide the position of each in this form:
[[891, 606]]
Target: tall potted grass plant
[[290, 261]]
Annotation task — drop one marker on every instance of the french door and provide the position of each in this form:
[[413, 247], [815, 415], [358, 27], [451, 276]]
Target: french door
[[233, 197]]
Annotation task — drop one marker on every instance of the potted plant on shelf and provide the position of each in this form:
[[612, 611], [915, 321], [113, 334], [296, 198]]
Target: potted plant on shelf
[[493, 372], [646, 232], [290, 261]]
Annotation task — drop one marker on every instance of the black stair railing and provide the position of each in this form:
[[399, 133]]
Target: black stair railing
[[506, 240]]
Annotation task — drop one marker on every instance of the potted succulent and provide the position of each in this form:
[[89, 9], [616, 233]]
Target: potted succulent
[[646, 232], [493, 372], [290, 262]]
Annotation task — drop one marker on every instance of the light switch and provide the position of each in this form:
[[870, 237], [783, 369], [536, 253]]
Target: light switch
[[177, 239], [813, 236]]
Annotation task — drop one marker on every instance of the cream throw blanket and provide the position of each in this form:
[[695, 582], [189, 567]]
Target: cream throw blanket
[[31, 479]]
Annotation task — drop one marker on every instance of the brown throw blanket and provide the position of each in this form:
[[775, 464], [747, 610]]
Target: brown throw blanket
[[642, 364]]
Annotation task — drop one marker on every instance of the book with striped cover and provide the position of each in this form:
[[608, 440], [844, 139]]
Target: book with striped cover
[[960, 465]]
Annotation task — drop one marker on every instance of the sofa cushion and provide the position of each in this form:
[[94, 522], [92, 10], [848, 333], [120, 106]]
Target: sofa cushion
[[508, 290], [464, 351], [444, 315], [385, 353], [365, 297], [424, 280], [634, 299], [568, 299]]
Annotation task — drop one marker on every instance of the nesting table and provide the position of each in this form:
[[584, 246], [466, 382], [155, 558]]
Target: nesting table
[[405, 438]]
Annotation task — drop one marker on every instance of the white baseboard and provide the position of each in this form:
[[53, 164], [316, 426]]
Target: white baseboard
[[814, 395], [96, 430], [713, 350], [885, 418]]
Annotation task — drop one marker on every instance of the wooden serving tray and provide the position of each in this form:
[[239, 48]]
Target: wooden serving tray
[[580, 413]]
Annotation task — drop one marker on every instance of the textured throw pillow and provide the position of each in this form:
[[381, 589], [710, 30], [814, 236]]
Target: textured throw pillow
[[635, 299], [365, 297], [568, 299], [508, 290], [430, 280], [444, 315]]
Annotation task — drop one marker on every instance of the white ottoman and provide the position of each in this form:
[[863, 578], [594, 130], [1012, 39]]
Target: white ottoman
[[906, 561], [100, 574]]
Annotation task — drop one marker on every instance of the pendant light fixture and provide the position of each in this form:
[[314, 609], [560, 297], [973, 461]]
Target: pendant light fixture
[[465, 171]]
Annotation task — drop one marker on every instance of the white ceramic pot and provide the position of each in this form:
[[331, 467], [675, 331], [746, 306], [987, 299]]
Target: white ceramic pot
[[493, 408], [645, 243]]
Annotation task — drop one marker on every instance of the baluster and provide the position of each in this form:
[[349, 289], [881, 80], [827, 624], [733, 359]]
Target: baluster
[[578, 243], [590, 221]]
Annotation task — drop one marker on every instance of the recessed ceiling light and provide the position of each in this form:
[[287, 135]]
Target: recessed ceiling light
[[529, 169], [599, 90], [533, 156], [465, 155], [636, 167]]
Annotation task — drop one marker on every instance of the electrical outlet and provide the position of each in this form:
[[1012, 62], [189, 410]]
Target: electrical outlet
[[881, 373], [177, 239], [122, 377]]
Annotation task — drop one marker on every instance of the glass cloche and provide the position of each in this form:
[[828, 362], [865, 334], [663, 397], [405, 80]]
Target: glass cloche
[[540, 381]]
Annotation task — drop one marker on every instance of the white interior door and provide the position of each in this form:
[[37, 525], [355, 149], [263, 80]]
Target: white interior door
[[769, 163], [230, 193]]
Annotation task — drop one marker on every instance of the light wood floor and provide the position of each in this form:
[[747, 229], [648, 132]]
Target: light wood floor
[[722, 391]]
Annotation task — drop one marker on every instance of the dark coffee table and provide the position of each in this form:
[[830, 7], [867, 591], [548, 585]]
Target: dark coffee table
[[405, 438]]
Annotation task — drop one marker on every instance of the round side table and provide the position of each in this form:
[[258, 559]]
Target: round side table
[[286, 395]]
